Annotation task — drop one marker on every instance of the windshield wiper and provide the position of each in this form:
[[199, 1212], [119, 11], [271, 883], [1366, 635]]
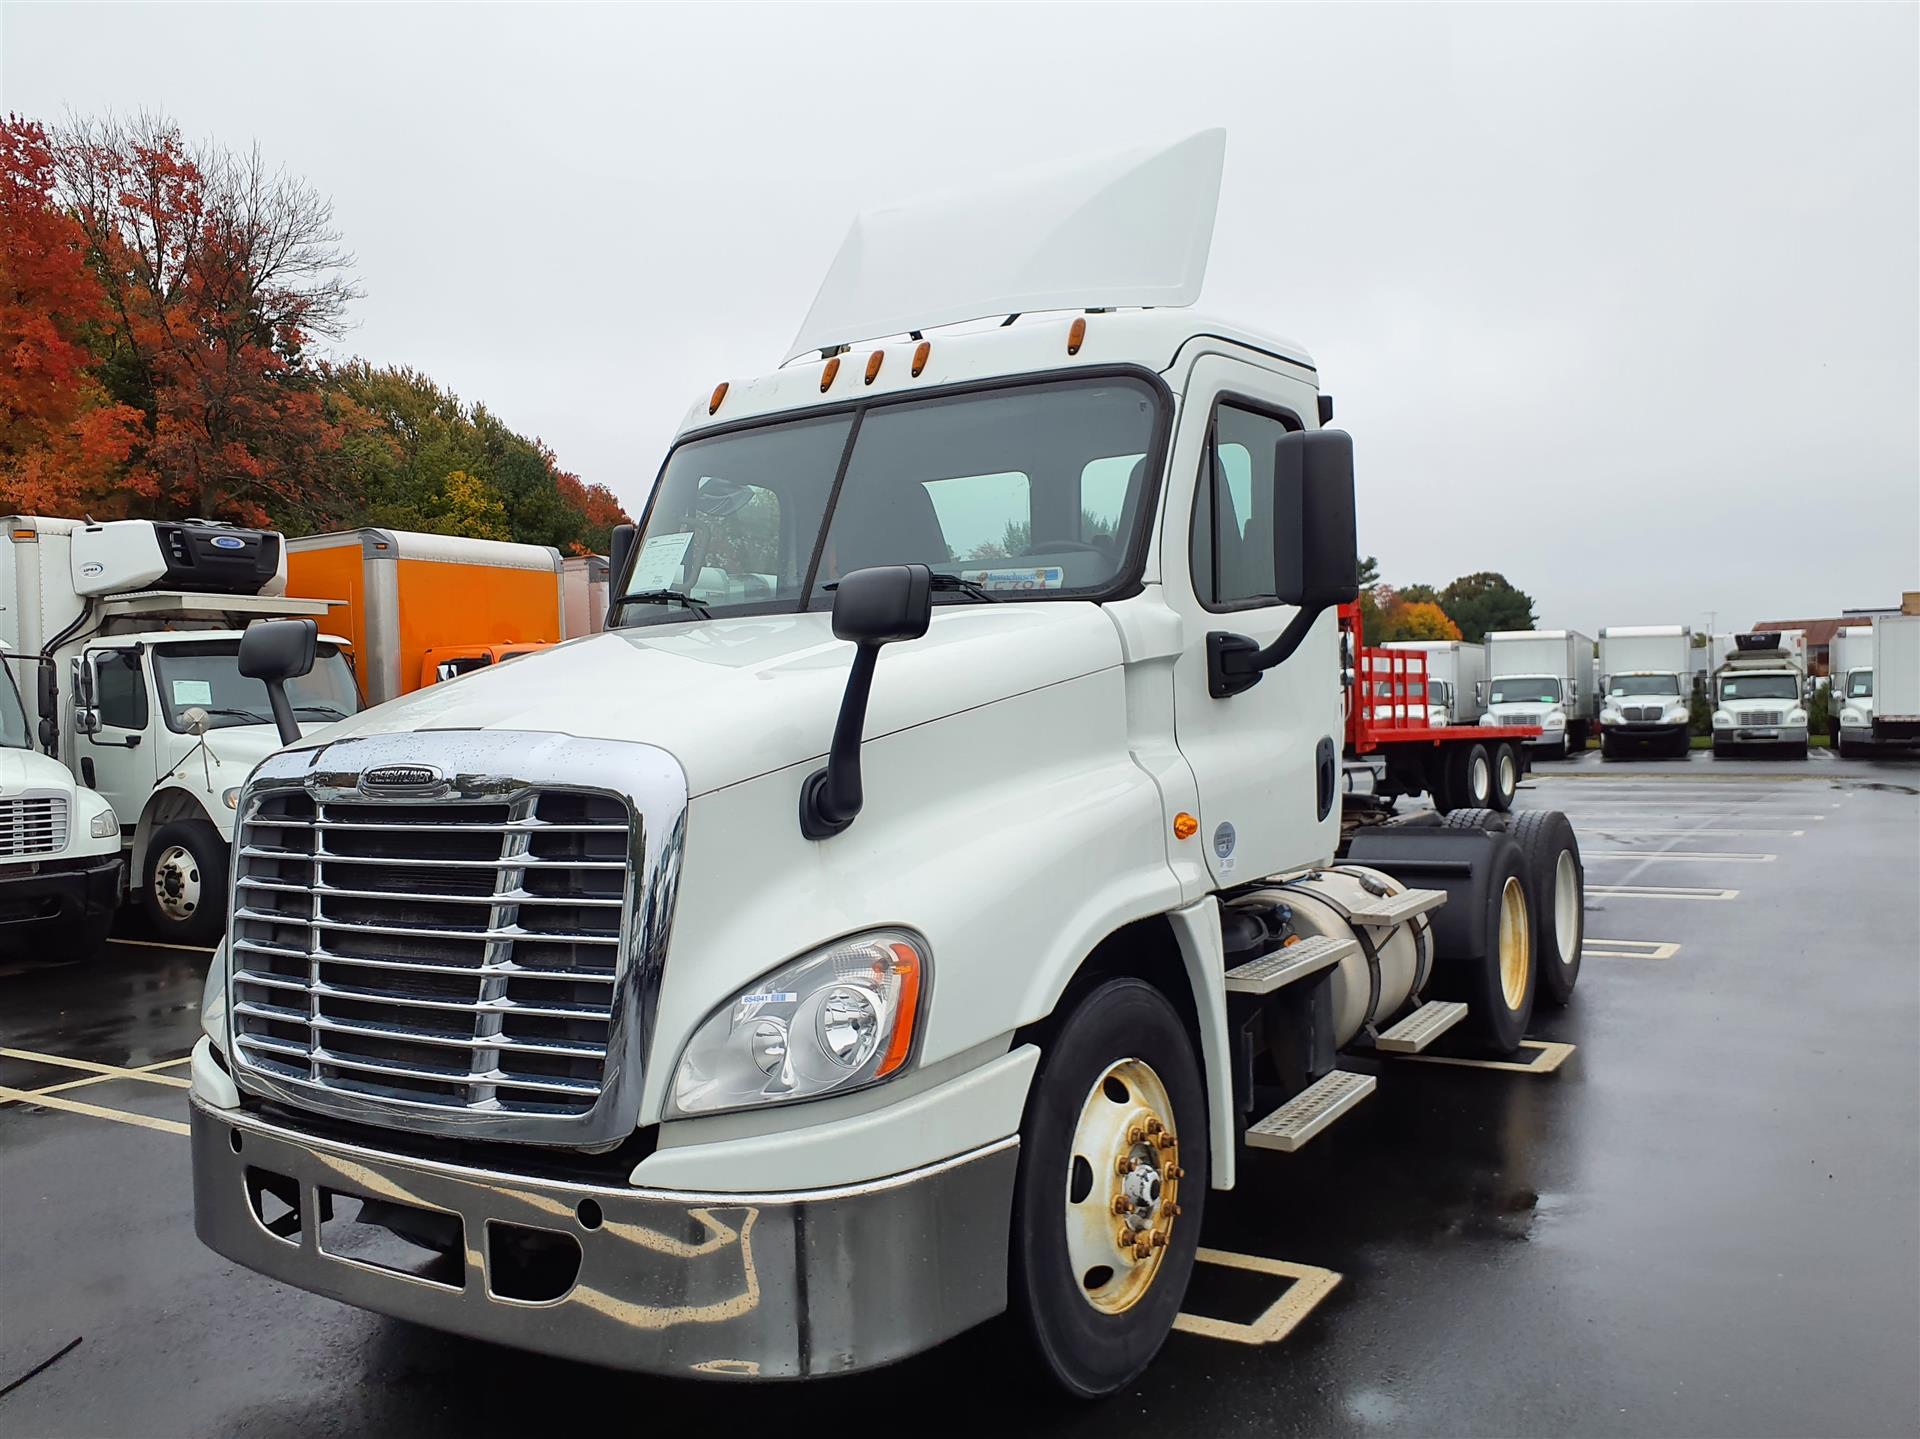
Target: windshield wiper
[[247, 715], [950, 584], [328, 710], [667, 597]]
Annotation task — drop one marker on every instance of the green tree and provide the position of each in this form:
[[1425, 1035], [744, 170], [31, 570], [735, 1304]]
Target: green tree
[[1486, 601], [1371, 617]]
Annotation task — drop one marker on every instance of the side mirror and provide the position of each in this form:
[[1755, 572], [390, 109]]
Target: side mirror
[[1316, 553], [274, 652], [1479, 692], [618, 553], [86, 719], [444, 672], [872, 607]]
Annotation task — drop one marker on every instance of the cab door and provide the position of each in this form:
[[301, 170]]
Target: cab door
[[1266, 760], [119, 756]]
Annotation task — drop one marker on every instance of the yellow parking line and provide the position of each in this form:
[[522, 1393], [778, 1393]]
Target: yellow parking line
[[95, 1111], [144, 1072], [105, 1071], [1310, 1285], [157, 944], [1548, 1057], [1628, 949]]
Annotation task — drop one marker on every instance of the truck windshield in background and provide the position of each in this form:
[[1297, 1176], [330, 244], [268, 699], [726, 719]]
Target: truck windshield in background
[[14, 733], [1525, 689], [1643, 685], [1440, 692], [206, 676], [1860, 685], [1023, 490], [1759, 687]]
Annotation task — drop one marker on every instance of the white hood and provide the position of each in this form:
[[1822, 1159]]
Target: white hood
[[25, 769], [735, 698]]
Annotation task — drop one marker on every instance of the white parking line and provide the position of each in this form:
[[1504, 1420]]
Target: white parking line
[[95, 1111], [1689, 855], [1627, 949], [1597, 817], [1621, 831], [1657, 891]]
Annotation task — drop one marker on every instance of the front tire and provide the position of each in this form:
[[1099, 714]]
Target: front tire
[[185, 893], [1117, 1116]]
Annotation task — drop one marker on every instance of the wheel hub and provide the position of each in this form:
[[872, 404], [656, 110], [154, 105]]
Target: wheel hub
[[176, 883], [1123, 1180]]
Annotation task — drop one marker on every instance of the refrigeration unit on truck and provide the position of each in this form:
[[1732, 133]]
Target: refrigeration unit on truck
[[135, 626], [923, 894], [61, 876], [1547, 678], [1456, 679], [1646, 681], [1895, 701], [1759, 689], [1850, 689], [422, 608]]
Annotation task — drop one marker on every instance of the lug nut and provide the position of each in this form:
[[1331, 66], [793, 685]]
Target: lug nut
[[1174, 1171], [1120, 1205], [1154, 1126], [1126, 1239], [1143, 1250], [1173, 1211], [1136, 1135], [1159, 1240], [1123, 1166], [1167, 1141]]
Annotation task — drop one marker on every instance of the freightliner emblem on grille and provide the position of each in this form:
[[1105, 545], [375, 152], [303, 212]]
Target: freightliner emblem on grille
[[400, 776]]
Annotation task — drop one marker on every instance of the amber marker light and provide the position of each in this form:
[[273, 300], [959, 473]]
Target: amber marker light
[[1077, 335], [906, 969], [873, 365], [920, 353], [719, 394], [24, 534], [826, 375], [1185, 826]]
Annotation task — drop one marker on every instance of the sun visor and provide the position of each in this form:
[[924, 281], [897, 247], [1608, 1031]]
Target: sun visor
[[1126, 229]]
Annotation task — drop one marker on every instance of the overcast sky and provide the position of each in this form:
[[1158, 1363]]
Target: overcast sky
[[1623, 302]]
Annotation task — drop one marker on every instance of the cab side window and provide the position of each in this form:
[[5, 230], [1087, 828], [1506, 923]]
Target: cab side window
[[1232, 541], [120, 691]]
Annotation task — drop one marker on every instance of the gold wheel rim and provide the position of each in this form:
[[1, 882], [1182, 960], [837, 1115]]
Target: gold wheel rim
[[1123, 1183], [1516, 951]]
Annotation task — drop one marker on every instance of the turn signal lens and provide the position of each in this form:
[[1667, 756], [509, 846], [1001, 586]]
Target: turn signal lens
[[719, 394], [920, 353], [873, 365], [1185, 826], [1077, 335], [826, 375]]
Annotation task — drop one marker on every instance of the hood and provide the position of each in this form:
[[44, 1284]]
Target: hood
[[24, 769], [735, 698], [232, 752]]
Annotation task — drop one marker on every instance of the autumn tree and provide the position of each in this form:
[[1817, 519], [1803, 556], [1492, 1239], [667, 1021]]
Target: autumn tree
[[1415, 620], [62, 438]]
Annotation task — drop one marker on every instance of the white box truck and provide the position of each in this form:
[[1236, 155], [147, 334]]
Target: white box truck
[[583, 583], [926, 890], [1850, 689], [1646, 682], [135, 626], [1456, 679], [1896, 682], [1759, 689], [1547, 678]]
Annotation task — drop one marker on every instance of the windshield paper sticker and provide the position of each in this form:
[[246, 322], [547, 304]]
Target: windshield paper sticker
[[1045, 577], [193, 692], [658, 565]]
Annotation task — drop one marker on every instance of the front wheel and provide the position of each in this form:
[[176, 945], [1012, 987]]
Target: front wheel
[[1112, 1185], [185, 894]]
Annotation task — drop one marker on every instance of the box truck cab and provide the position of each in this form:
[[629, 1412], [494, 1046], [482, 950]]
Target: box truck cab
[[136, 625], [1646, 678], [1759, 687], [61, 876], [1545, 678], [1850, 689], [1456, 679], [1893, 703], [922, 893]]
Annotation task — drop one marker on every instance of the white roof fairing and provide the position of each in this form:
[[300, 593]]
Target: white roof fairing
[[1125, 229]]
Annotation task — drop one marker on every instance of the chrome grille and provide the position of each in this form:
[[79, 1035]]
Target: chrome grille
[[33, 825], [1765, 717], [1642, 713], [456, 954]]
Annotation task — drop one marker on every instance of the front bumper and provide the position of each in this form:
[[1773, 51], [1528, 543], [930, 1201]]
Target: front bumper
[[1785, 734], [57, 893], [783, 1285], [1642, 729]]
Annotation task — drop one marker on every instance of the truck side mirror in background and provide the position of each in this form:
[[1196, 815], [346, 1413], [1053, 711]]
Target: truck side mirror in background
[[1316, 553], [1479, 692], [871, 607], [618, 552], [86, 714], [47, 693], [274, 652]]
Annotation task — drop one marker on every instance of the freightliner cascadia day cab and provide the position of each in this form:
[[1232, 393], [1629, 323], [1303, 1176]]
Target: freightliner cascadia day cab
[[1759, 689], [919, 898], [1547, 678], [1850, 689], [61, 876], [424, 608], [1456, 679], [136, 628], [1646, 676]]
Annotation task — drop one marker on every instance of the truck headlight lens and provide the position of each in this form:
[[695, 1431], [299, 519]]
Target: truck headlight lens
[[231, 798], [1797, 717], [1488, 719], [841, 1018], [104, 825], [1676, 715], [1611, 716], [1556, 720], [1722, 720], [1852, 717]]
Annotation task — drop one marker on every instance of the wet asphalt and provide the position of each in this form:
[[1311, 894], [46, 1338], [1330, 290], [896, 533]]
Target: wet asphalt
[[1706, 1221]]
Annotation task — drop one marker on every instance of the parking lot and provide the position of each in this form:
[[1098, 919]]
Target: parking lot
[[1696, 1215]]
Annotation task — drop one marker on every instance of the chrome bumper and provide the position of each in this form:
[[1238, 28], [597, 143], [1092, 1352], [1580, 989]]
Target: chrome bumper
[[719, 1285]]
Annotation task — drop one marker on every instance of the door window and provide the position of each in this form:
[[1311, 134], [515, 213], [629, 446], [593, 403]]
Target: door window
[[120, 690], [1232, 546]]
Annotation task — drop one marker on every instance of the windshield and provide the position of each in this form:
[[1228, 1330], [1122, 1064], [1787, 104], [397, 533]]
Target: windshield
[[1525, 689], [1760, 687], [206, 676], [13, 714], [1644, 685], [1440, 692], [1026, 490], [1860, 685]]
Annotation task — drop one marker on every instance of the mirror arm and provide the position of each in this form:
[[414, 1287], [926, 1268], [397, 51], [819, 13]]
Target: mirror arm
[[832, 795], [283, 719], [1235, 663]]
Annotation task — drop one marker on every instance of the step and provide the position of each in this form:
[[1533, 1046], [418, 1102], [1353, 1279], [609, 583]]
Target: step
[[1386, 910], [1310, 1111], [1422, 1027], [1288, 963]]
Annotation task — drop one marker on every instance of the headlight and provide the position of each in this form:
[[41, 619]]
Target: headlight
[[1611, 716], [1489, 718], [1556, 720], [1678, 714], [231, 798], [1853, 717], [1796, 717], [104, 825], [1721, 719], [842, 1018], [213, 1000]]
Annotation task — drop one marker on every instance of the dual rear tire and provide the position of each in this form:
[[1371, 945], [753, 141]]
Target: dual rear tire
[[1555, 882], [1475, 776]]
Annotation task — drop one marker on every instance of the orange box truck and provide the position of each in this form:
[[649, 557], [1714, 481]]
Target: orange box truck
[[424, 607]]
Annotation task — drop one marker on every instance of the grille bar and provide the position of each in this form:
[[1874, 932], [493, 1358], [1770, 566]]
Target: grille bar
[[327, 1058], [517, 896], [33, 824], [508, 969]]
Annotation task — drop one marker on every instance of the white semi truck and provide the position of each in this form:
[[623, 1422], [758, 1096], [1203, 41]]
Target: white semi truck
[[60, 872], [1547, 678], [927, 889], [1759, 692], [1456, 679], [136, 628], [1646, 680]]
